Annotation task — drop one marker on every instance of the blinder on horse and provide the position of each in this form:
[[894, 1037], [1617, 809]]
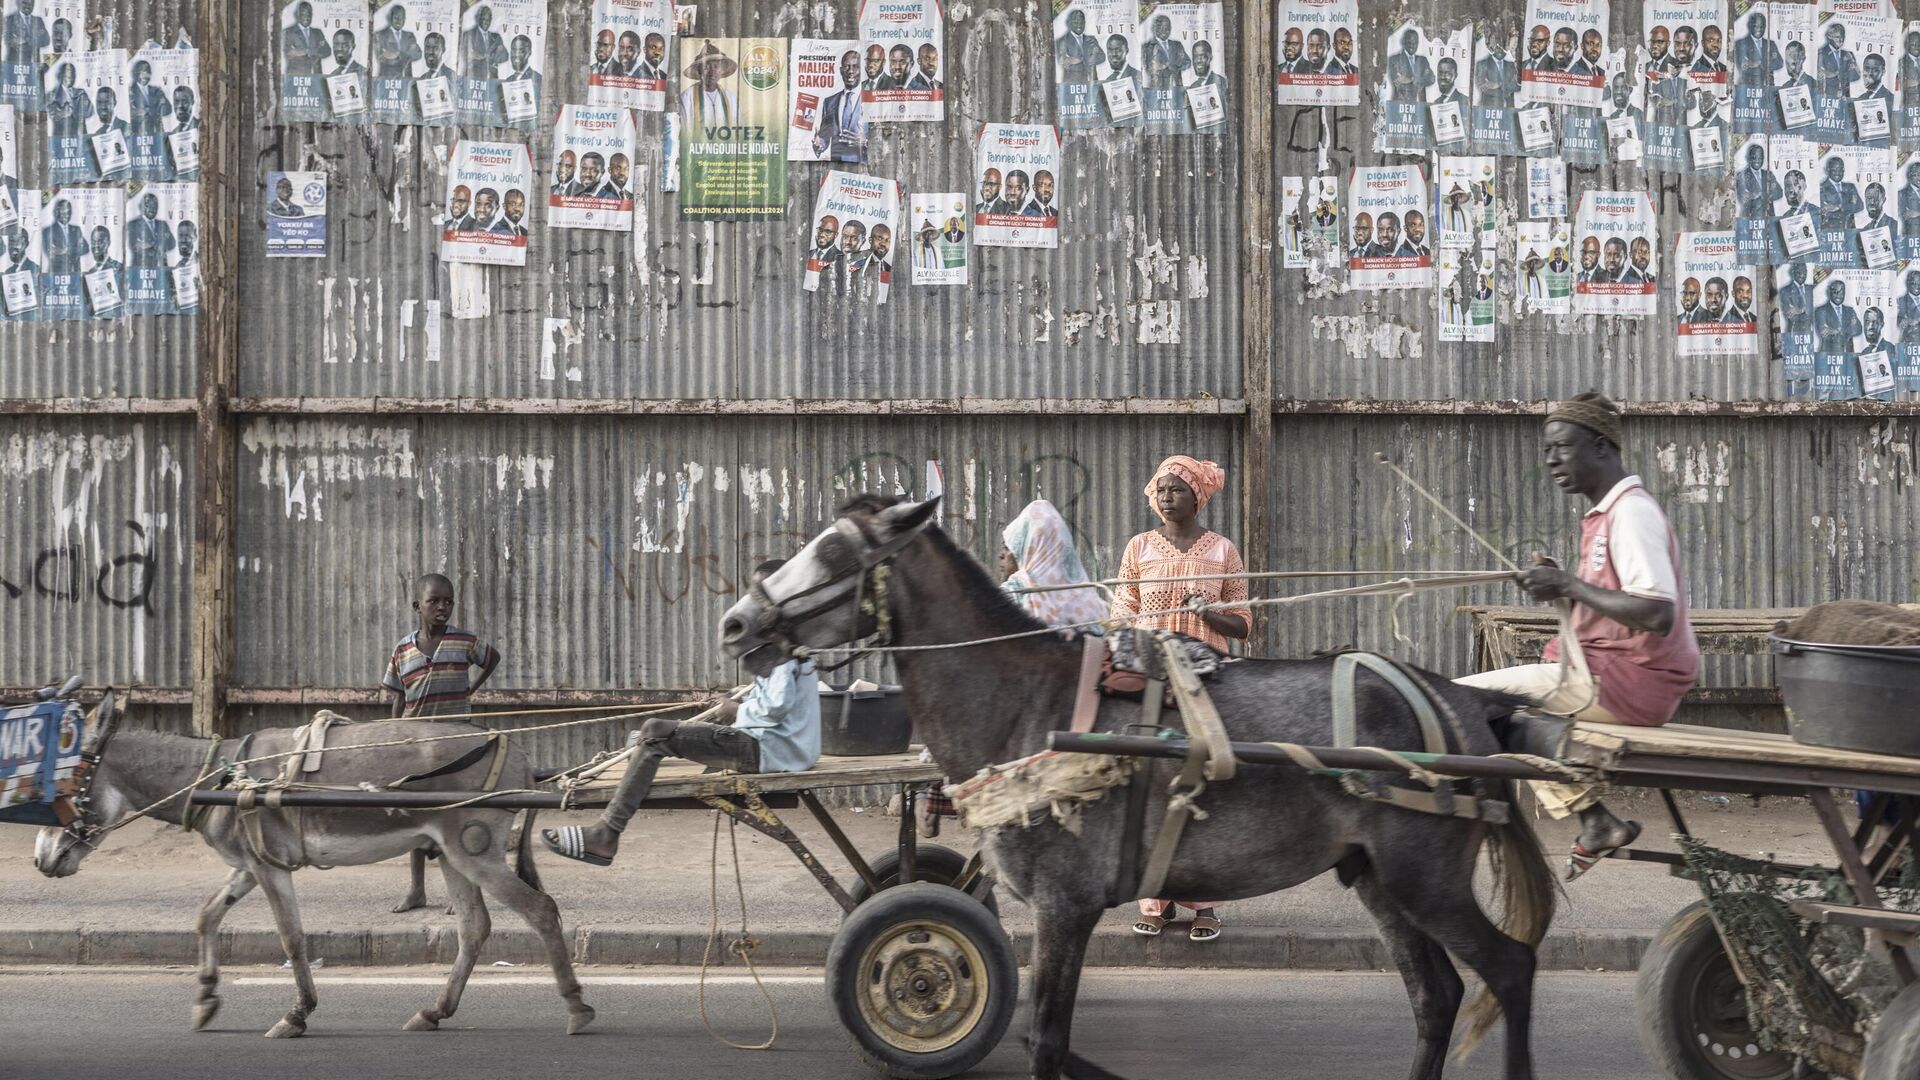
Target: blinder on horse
[[76, 830], [856, 567]]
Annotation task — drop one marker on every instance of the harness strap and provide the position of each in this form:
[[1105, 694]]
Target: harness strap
[[1345, 723], [1204, 728], [460, 764], [248, 804], [1086, 704]]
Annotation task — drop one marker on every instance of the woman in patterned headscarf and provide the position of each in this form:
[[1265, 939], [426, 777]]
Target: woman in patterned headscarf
[[1182, 548], [1037, 552]]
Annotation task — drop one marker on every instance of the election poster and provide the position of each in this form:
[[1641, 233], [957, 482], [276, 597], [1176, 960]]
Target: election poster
[[21, 259], [939, 224], [1016, 170], [1466, 295], [1095, 81], [323, 61], [632, 40], [1852, 101], [1387, 211], [908, 38], [1795, 232], [1464, 206], [826, 118], [1319, 49], [1907, 207], [163, 113], [1311, 220], [30, 32], [503, 56], [87, 134], [593, 155], [1851, 200], [1183, 82], [1756, 190], [83, 267], [1907, 78], [1543, 284], [9, 163], [163, 248], [1714, 312], [1854, 320], [1906, 365], [1757, 63], [1449, 111], [1586, 137], [413, 57], [1401, 124], [1625, 114], [1546, 188], [486, 220], [854, 221], [733, 98], [1496, 83], [1566, 40], [297, 215], [1794, 299], [1619, 264], [1792, 26]]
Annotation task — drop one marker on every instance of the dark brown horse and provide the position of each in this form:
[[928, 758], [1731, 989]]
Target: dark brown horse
[[1266, 830]]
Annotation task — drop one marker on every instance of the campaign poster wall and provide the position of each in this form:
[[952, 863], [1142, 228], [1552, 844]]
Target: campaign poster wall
[[486, 220], [1095, 81], [855, 219], [1310, 219], [910, 38], [1318, 43], [1792, 26], [1565, 41], [1387, 209], [1714, 296], [87, 135], [1183, 81], [1619, 258], [733, 100], [21, 260], [163, 248], [1496, 85], [163, 113], [1757, 62], [1463, 215], [1543, 282], [297, 215], [632, 40], [1402, 122], [1906, 365], [1016, 173], [1794, 299], [503, 55], [31, 31], [323, 61], [414, 50], [83, 268], [593, 154], [826, 118], [939, 241]]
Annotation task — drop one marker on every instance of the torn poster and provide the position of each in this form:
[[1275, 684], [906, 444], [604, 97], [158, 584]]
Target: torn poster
[[1466, 295], [503, 52], [323, 61], [826, 118], [1546, 188], [1566, 40], [486, 220], [632, 40], [34, 31], [1463, 203], [413, 58], [1544, 282], [83, 267], [1016, 171], [1387, 205], [21, 259], [939, 224], [1585, 137], [593, 155], [9, 165], [163, 248], [297, 215], [87, 135], [1183, 82], [1689, 86], [1625, 114], [1907, 78], [854, 221], [1311, 219], [1714, 312], [907, 39], [1906, 365], [163, 113], [1907, 207], [1095, 82], [1318, 43], [1619, 258], [733, 101]]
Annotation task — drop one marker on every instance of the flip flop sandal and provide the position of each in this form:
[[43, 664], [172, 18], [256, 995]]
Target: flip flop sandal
[[1205, 927], [570, 842], [1149, 925], [1580, 860]]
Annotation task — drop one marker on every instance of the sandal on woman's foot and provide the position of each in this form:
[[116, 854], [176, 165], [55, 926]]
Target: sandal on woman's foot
[[1149, 925], [1205, 926], [1580, 860], [570, 842]]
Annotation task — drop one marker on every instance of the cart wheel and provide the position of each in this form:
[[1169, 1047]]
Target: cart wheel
[[1893, 1053], [932, 864], [923, 978], [1693, 1008]]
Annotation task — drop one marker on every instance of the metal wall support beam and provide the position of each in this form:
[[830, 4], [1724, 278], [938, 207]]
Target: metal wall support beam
[[1256, 290]]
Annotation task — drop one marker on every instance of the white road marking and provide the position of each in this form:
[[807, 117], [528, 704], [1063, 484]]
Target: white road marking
[[480, 977]]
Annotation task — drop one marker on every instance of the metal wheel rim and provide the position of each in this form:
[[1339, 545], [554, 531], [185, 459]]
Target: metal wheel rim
[[923, 986], [1717, 1024]]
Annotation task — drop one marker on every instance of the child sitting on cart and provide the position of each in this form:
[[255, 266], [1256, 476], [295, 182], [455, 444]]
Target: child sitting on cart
[[775, 729]]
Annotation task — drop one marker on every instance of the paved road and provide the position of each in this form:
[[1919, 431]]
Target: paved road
[[92, 1023]]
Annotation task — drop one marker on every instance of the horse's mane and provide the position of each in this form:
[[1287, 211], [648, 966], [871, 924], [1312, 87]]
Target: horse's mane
[[979, 586]]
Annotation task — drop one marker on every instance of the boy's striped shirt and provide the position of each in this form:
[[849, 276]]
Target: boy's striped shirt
[[440, 685]]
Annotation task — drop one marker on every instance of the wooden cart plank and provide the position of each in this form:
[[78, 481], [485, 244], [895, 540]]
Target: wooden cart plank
[[679, 778], [1605, 745]]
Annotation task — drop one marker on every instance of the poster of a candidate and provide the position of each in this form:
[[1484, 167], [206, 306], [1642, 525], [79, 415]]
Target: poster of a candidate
[[163, 248], [1543, 278], [87, 134], [1588, 134], [908, 41], [1095, 81], [1183, 84], [593, 181], [1906, 203], [632, 41], [1449, 111], [1794, 299], [1310, 219], [1625, 114], [1466, 295], [1855, 318], [31, 31], [1794, 233], [412, 61], [1907, 77], [1851, 207], [323, 61], [733, 99], [1619, 260], [1565, 41], [1463, 215], [1714, 296], [1318, 60], [939, 240], [1852, 93], [486, 220], [855, 219], [83, 268], [20, 259], [1390, 247], [1016, 177], [1404, 87], [1496, 84], [503, 55], [826, 118], [163, 113], [1757, 62], [297, 215], [1792, 27], [1906, 363], [1756, 190]]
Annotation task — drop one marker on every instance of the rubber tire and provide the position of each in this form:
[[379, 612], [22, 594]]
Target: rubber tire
[[1894, 1051], [1686, 948], [932, 864], [959, 913]]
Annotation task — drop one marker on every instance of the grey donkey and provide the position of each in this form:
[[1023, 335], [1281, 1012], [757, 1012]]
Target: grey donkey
[[139, 768], [1267, 829]]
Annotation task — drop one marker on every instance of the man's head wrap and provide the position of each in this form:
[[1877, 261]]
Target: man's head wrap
[[1593, 411]]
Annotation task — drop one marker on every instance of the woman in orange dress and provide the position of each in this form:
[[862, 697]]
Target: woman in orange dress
[[1182, 548]]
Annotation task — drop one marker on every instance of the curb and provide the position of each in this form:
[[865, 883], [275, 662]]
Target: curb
[[1255, 948]]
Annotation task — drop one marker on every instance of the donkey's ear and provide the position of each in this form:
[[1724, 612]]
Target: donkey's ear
[[907, 516]]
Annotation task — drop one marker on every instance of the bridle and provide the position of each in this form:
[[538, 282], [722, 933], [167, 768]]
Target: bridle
[[78, 831], [860, 572]]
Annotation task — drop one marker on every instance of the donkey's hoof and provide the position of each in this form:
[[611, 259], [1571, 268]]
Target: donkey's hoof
[[286, 1029], [203, 1011], [578, 1019], [422, 1022]]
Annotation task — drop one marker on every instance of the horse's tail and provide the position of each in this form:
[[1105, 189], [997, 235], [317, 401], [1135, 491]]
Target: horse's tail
[[523, 867], [1526, 889]]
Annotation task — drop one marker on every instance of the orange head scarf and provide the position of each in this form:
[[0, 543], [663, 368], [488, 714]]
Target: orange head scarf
[[1204, 477]]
